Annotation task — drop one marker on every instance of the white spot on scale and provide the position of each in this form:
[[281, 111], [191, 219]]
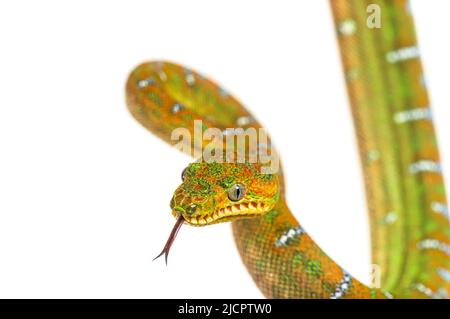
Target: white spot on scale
[[223, 92], [390, 218], [244, 120], [352, 74], [177, 107], [440, 294], [146, 82], [388, 295], [162, 75], [434, 244], [373, 155], [190, 79], [289, 235], [342, 286], [423, 113], [440, 208], [347, 27], [425, 166], [403, 54], [425, 290], [444, 274]]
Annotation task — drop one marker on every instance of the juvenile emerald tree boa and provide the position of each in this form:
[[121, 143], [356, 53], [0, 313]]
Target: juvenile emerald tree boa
[[404, 186]]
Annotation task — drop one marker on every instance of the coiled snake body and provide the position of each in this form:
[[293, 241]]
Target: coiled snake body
[[398, 149]]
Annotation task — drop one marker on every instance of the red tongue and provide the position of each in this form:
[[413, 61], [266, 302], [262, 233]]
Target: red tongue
[[171, 239]]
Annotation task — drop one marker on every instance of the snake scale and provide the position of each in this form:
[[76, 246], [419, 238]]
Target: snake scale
[[410, 233]]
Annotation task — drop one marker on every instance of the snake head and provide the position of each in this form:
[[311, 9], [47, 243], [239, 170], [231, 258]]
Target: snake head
[[219, 192]]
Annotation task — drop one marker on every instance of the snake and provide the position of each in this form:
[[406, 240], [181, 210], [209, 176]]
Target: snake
[[398, 150]]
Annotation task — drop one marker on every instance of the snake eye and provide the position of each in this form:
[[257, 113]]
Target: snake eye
[[236, 192], [183, 174], [191, 209]]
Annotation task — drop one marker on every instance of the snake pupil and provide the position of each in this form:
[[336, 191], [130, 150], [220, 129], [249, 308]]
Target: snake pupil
[[236, 192]]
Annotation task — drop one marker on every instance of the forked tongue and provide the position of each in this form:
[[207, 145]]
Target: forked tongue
[[172, 236]]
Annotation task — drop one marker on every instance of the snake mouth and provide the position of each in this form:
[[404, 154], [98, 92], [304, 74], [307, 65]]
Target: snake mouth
[[249, 209]]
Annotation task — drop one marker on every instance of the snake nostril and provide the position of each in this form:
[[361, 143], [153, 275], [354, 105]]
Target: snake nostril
[[191, 209]]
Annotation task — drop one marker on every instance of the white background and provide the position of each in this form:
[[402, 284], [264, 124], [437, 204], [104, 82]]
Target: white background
[[85, 190]]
